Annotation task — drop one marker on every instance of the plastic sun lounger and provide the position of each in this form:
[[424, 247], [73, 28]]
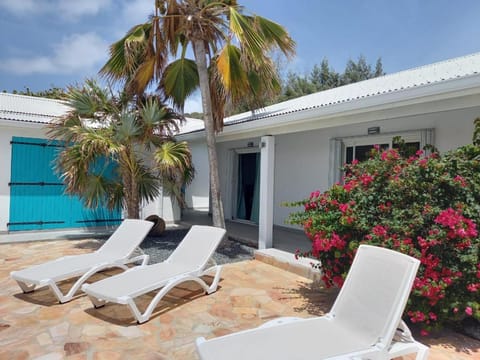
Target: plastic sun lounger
[[188, 262], [115, 252], [364, 322]]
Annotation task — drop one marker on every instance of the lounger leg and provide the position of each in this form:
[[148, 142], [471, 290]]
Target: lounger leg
[[216, 279], [406, 344], [71, 293], [97, 303], [141, 318], [25, 287], [422, 353]]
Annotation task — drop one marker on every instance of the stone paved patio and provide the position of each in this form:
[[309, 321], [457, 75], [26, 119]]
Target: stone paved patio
[[34, 326]]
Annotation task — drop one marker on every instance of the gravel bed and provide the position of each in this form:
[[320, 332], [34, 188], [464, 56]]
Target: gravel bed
[[159, 248]]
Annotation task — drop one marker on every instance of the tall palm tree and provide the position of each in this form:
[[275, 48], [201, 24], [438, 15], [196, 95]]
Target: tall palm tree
[[231, 62], [118, 153]]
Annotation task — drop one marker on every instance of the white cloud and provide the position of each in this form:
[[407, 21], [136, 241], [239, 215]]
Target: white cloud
[[137, 11], [194, 103], [75, 53], [64, 9], [74, 8], [20, 7]]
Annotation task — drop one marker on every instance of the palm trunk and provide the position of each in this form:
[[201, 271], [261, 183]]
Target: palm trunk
[[131, 198], [217, 206]]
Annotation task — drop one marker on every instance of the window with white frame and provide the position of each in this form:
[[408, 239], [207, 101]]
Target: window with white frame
[[345, 150]]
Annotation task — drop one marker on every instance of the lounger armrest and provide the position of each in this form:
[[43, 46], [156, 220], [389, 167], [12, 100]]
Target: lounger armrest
[[144, 258]]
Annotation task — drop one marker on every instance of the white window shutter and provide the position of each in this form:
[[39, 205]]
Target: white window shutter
[[335, 161]]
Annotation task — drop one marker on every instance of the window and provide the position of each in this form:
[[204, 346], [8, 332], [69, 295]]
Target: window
[[345, 150]]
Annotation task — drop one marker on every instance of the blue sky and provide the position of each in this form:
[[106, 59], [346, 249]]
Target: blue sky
[[47, 43]]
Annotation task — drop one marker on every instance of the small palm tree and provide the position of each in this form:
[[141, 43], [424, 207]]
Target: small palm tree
[[232, 63], [118, 153]]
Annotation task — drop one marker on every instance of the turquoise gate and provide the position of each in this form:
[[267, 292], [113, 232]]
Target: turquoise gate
[[37, 198]]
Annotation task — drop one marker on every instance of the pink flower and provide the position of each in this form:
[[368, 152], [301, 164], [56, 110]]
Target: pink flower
[[423, 163], [379, 230], [460, 180], [473, 287], [366, 179], [468, 311], [455, 310], [343, 208], [350, 185], [424, 332]]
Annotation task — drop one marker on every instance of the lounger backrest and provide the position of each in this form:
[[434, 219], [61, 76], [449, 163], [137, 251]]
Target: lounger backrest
[[126, 238], [373, 297], [198, 246]]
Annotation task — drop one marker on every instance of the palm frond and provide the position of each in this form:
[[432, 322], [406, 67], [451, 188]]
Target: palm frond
[[126, 54], [128, 128], [218, 95], [275, 35], [243, 27], [143, 75], [173, 159], [232, 72], [180, 80]]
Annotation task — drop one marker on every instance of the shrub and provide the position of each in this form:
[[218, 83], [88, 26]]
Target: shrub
[[426, 206]]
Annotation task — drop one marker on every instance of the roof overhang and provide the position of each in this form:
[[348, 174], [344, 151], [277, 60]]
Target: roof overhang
[[435, 97], [21, 124]]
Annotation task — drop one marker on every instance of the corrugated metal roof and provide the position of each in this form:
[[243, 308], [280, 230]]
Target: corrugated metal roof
[[30, 109], [396, 82]]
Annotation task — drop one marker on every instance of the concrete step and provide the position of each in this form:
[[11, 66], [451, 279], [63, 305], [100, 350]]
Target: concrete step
[[286, 261]]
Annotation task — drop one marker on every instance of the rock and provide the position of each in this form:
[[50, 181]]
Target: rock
[[158, 227]]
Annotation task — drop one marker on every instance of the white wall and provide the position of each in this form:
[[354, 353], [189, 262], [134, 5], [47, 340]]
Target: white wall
[[197, 194], [302, 159], [6, 134], [164, 206]]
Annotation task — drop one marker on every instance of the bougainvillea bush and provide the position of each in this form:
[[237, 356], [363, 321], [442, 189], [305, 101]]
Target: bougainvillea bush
[[426, 206]]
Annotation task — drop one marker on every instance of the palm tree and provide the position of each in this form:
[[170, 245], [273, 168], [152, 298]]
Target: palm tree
[[231, 50], [118, 153]]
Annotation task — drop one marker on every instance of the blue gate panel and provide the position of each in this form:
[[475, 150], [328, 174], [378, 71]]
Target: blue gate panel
[[37, 194]]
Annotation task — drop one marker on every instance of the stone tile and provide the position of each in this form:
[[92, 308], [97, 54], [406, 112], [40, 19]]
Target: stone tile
[[94, 330], [72, 348], [59, 332], [129, 332], [44, 339], [50, 356], [250, 293]]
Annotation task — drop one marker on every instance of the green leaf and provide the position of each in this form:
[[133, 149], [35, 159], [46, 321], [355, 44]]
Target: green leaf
[[180, 80]]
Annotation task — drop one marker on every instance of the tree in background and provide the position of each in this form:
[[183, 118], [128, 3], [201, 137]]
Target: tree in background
[[360, 70], [51, 93], [118, 153], [323, 77], [231, 63]]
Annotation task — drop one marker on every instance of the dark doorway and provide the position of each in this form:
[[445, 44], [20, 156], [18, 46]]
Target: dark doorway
[[248, 187]]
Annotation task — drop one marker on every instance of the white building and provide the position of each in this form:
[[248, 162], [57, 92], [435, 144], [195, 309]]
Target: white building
[[277, 154], [283, 152], [31, 194]]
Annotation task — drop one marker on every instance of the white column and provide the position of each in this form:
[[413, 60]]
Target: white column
[[267, 166]]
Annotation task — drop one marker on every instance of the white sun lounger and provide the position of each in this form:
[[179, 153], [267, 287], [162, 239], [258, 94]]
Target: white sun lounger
[[115, 252], [188, 262], [364, 322]]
